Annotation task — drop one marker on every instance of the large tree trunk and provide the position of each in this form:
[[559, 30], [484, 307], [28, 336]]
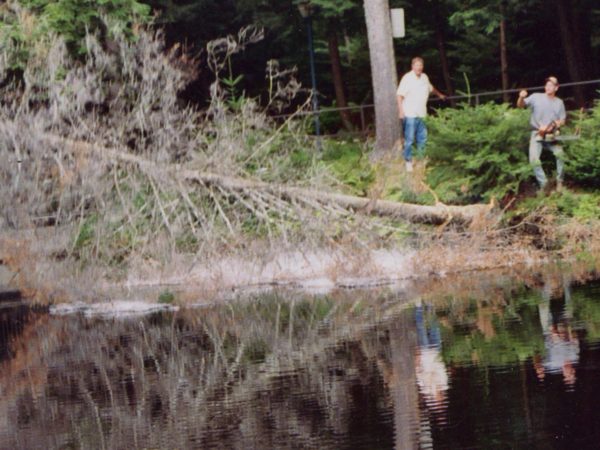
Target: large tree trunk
[[582, 30], [504, 55], [338, 82], [568, 38], [383, 73]]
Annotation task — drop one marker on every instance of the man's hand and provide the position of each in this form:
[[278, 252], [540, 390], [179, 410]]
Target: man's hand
[[442, 97], [523, 94], [401, 115]]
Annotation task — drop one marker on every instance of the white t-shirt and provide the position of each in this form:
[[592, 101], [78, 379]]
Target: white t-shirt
[[415, 91]]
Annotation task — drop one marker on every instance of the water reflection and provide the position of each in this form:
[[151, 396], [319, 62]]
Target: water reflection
[[515, 367], [560, 340], [432, 376]]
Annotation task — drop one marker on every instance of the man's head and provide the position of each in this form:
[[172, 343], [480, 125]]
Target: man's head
[[417, 65], [551, 86]]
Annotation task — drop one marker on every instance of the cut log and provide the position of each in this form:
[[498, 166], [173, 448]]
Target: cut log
[[436, 214]]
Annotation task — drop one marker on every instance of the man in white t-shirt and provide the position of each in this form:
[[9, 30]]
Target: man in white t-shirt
[[413, 93]]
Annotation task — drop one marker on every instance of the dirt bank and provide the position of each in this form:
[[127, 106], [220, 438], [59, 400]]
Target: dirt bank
[[38, 271]]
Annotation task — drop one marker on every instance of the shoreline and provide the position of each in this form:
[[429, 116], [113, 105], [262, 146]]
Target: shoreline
[[315, 272]]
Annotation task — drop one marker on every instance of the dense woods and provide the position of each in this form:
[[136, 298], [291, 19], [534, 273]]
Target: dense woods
[[489, 45]]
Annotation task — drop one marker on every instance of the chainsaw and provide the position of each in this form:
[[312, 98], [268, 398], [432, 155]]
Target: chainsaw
[[550, 134]]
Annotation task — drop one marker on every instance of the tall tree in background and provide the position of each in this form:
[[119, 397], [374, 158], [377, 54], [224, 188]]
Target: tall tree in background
[[485, 17], [439, 19], [503, 52], [570, 19], [333, 11], [383, 73]]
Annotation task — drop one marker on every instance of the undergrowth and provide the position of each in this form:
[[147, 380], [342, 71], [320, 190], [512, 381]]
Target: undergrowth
[[478, 152]]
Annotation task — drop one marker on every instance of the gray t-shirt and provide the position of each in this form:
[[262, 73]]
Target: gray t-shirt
[[545, 109]]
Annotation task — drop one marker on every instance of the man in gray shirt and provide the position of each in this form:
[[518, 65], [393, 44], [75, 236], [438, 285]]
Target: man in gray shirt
[[547, 115]]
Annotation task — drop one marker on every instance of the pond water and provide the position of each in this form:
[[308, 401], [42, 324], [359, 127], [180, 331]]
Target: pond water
[[502, 366]]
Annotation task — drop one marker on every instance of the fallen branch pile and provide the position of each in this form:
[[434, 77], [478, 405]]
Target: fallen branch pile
[[438, 214]]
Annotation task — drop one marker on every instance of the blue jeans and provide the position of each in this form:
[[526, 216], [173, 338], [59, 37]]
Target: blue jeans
[[427, 336], [414, 129], [535, 152]]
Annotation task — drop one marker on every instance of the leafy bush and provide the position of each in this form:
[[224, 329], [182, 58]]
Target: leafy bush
[[582, 205], [583, 163], [350, 164], [478, 152], [28, 26]]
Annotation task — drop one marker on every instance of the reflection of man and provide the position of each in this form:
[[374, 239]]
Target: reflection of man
[[432, 377], [412, 95], [547, 115], [561, 343]]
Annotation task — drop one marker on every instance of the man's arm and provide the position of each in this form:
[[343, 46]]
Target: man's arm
[[521, 99], [400, 99], [401, 95], [562, 115], [441, 95]]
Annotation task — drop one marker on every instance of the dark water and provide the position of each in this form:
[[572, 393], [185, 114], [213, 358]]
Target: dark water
[[500, 366]]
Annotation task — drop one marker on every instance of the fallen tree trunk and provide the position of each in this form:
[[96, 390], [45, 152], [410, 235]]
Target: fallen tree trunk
[[437, 214]]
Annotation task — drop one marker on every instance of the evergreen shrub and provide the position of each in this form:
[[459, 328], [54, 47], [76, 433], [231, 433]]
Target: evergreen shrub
[[477, 152], [583, 155]]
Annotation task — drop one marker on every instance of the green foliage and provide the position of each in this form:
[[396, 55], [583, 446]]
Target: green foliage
[[71, 19], [583, 161], [349, 163], [20, 35], [586, 309], [583, 206], [408, 195], [335, 8], [166, 297], [516, 336], [477, 152], [86, 232]]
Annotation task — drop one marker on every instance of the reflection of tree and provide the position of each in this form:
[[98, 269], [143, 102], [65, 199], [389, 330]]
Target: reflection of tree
[[497, 333], [586, 307], [316, 372], [403, 389], [260, 374]]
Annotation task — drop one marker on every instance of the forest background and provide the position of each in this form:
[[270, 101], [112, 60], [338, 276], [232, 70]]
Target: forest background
[[467, 44]]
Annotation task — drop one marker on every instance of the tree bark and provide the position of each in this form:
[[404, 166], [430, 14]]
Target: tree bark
[[582, 30], [338, 82], [574, 66], [383, 74], [504, 54]]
